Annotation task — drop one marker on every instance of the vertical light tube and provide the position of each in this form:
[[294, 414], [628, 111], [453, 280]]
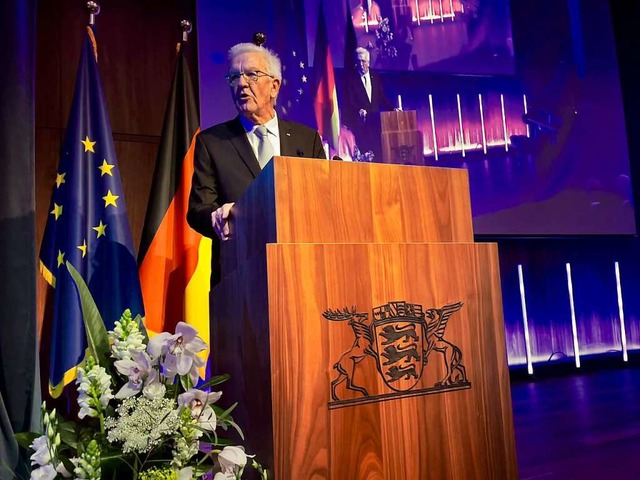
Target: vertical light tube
[[526, 110], [504, 124], [441, 13], [400, 102], [431, 15], [484, 136], [525, 321], [623, 330], [418, 12], [433, 128], [460, 121], [453, 14], [574, 325]]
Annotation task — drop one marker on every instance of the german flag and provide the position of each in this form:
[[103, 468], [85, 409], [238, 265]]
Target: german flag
[[325, 104], [174, 261]]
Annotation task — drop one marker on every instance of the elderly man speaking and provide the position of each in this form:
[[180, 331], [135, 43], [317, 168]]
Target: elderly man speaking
[[230, 155]]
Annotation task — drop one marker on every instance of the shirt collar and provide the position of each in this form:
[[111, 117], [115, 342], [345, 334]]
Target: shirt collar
[[250, 127]]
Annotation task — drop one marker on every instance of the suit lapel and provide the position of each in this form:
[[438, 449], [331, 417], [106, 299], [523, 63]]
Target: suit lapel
[[363, 90], [241, 144], [373, 80]]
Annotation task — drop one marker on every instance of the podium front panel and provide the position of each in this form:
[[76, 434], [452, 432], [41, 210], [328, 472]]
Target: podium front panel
[[388, 361]]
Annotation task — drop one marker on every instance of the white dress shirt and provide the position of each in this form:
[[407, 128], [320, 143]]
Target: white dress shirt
[[366, 81], [272, 128]]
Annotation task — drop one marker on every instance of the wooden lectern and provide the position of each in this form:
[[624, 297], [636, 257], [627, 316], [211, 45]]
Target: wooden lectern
[[401, 138], [362, 326]]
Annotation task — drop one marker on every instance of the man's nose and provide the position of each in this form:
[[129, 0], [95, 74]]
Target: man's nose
[[242, 80]]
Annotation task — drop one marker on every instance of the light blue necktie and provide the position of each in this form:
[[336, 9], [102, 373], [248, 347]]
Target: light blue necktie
[[265, 150]]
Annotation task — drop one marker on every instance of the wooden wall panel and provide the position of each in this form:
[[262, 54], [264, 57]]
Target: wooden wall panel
[[136, 161], [136, 57]]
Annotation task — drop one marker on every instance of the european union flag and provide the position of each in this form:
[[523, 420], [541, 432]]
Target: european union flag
[[87, 226]]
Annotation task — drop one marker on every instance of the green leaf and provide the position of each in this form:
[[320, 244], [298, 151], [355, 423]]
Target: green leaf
[[217, 441], [185, 381], [97, 338], [25, 439], [67, 431], [140, 322], [217, 380], [199, 470]]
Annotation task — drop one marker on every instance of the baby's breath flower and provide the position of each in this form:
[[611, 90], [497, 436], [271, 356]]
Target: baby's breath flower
[[126, 337]]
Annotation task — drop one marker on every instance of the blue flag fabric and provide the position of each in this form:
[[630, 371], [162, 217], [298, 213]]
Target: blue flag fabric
[[87, 226]]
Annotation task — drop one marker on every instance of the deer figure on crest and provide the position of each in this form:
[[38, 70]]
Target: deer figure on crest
[[362, 346]]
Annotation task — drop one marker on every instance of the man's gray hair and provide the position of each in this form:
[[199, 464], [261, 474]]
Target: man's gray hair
[[274, 67], [363, 51]]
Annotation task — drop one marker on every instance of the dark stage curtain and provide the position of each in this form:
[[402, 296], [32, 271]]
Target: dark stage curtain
[[19, 397]]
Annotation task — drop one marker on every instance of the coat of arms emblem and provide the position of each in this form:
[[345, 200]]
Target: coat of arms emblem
[[400, 337]]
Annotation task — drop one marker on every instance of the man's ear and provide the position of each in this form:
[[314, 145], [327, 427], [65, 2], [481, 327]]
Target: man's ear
[[275, 88]]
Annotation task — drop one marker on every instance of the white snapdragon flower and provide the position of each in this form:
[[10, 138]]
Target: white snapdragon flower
[[126, 338], [179, 351], [94, 389]]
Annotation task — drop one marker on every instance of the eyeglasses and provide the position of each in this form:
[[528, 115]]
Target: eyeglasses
[[252, 76]]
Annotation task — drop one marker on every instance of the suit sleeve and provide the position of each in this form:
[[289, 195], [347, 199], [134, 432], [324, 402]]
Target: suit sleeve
[[318, 150], [203, 198], [384, 103]]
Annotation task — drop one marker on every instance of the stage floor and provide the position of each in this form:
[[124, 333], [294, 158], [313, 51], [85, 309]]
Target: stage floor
[[583, 426]]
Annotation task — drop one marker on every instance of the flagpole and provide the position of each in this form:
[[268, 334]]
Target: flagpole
[[259, 39], [94, 9], [186, 27]]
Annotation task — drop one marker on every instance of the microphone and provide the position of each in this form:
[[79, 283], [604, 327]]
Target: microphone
[[336, 157]]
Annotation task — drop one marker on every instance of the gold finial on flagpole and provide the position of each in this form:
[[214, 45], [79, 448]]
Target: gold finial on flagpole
[[94, 9], [186, 27], [259, 38]]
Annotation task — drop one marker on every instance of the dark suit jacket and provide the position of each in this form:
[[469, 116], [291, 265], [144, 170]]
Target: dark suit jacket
[[355, 98], [225, 165]]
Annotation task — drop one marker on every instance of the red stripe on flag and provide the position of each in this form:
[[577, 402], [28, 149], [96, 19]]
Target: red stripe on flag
[[171, 259]]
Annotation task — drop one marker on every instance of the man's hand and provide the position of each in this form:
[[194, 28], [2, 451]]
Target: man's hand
[[220, 221]]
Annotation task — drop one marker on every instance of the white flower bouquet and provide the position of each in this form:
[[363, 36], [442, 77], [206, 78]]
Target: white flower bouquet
[[140, 414]]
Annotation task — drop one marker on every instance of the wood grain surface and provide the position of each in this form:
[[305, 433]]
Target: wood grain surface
[[462, 433], [297, 200]]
